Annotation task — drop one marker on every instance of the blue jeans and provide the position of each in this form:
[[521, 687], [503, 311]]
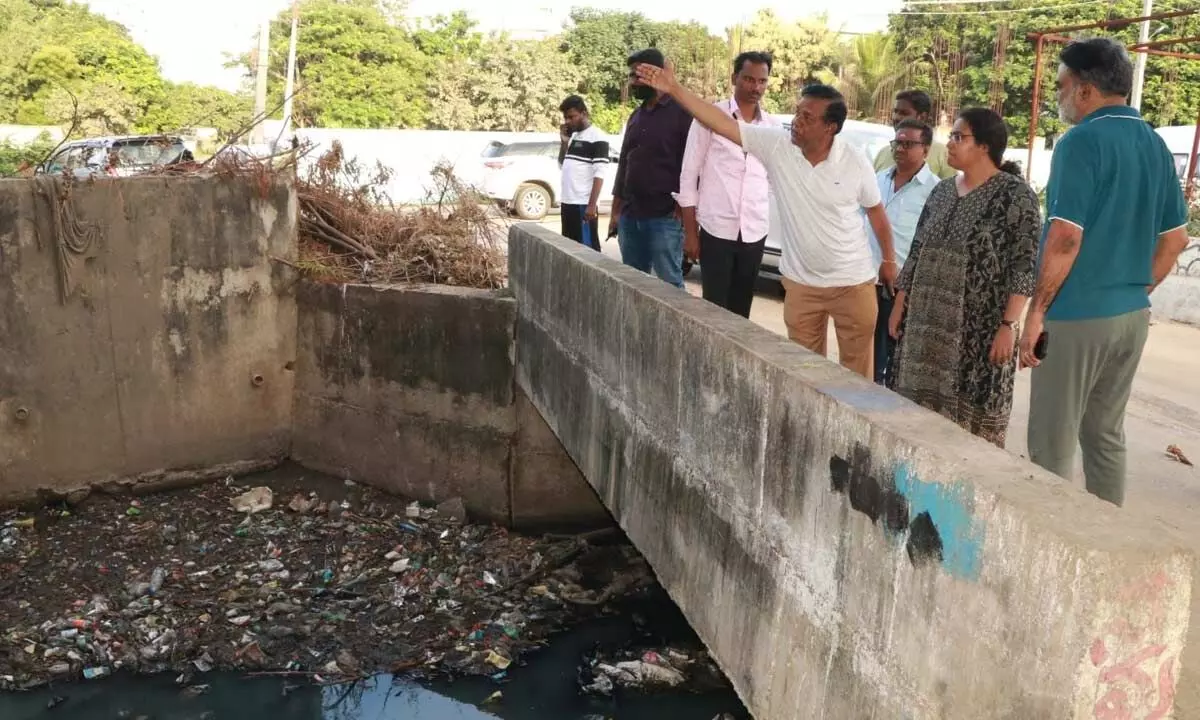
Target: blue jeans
[[653, 244]]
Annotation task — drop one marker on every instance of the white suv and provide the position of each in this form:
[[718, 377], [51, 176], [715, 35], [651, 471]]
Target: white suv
[[526, 177]]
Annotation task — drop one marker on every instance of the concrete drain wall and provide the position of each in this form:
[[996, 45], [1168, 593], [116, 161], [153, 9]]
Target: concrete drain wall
[[153, 343], [412, 389]]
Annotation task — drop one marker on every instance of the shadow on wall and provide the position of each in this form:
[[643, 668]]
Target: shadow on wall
[[411, 389]]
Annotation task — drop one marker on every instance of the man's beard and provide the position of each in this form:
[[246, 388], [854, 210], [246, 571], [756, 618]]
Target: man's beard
[[642, 92]]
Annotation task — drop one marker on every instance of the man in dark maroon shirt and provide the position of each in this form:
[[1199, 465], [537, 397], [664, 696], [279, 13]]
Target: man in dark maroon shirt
[[643, 208]]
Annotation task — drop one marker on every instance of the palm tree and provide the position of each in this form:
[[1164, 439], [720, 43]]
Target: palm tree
[[871, 70]]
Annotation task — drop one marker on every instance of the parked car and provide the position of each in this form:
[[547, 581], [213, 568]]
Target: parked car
[[1179, 139], [525, 177], [869, 138], [117, 156]]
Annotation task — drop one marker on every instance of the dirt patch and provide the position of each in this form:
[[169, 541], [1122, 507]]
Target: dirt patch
[[331, 582]]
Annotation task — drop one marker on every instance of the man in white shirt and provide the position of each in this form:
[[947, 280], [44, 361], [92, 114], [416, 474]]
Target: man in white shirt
[[821, 185], [904, 187], [723, 195], [584, 158]]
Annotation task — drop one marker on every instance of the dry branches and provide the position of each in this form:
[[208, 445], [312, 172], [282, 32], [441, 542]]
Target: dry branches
[[351, 232]]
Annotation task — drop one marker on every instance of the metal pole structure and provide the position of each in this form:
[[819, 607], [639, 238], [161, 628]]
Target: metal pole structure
[[1139, 67], [1193, 161], [290, 83], [1037, 106], [260, 85]]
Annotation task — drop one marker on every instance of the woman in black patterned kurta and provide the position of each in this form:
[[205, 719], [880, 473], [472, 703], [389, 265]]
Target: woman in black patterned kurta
[[965, 284]]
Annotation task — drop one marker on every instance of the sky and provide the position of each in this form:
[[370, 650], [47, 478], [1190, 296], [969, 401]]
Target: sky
[[191, 38]]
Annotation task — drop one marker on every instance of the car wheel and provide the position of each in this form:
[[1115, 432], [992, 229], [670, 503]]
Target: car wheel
[[532, 202]]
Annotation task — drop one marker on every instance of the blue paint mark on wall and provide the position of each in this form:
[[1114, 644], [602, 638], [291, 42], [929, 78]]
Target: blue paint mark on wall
[[949, 507]]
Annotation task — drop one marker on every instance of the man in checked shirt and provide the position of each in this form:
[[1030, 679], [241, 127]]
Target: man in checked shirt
[[723, 194]]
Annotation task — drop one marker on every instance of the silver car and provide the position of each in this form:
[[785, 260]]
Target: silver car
[[116, 156]]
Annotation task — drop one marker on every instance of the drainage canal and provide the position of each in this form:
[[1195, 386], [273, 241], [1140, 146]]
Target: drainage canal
[[295, 595]]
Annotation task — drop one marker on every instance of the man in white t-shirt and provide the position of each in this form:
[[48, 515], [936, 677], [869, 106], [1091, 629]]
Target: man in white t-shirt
[[584, 158], [821, 187]]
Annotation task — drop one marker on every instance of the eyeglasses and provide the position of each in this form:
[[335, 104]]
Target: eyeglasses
[[958, 137], [906, 144]]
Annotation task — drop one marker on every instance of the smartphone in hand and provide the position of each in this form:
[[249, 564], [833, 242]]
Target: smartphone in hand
[[1040, 347]]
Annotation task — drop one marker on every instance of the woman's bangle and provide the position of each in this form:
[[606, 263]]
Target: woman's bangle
[[890, 262]]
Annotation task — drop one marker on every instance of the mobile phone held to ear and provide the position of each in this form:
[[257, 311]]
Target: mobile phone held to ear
[[1040, 347]]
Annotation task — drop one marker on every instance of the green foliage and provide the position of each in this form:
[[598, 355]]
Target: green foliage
[[362, 63], [610, 118], [356, 67], [192, 105], [598, 42], [14, 158], [506, 85], [803, 52], [875, 66], [65, 65], [929, 40]]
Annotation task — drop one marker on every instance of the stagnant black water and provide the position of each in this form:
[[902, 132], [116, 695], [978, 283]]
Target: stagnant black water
[[546, 688]]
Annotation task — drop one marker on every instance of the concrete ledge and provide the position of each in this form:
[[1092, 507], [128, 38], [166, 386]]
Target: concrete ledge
[[1177, 299], [844, 553]]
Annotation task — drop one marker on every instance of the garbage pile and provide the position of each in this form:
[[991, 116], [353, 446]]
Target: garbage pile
[[649, 671], [327, 585]]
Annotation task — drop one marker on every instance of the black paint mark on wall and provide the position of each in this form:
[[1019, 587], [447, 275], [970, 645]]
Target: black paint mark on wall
[[876, 497], [924, 543]]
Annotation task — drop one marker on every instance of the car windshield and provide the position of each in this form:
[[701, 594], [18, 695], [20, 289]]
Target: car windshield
[[154, 151]]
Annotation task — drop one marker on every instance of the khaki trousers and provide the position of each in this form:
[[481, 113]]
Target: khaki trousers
[[807, 311]]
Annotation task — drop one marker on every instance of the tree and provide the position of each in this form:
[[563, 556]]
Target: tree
[[598, 42], [356, 66], [801, 51], [954, 58], [507, 85], [447, 37], [701, 59], [189, 105], [870, 76], [55, 51]]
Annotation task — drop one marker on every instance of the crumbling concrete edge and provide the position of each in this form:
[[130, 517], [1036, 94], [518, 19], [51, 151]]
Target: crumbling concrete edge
[[156, 481]]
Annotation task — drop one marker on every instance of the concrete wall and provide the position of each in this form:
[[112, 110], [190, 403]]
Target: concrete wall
[[411, 389], [1178, 298], [147, 368], [844, 553]]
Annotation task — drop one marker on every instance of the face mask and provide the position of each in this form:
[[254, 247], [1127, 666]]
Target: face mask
[[643, 92]]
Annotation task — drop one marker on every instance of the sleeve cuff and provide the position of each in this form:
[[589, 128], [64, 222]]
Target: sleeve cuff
[[684, 199], [1063, 219]]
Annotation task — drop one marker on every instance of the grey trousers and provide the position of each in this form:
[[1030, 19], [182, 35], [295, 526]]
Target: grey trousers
[[1078, 397]]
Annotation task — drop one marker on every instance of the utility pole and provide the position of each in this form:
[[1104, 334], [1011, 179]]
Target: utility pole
[[257, 136], [1139, 67], [290, 83]]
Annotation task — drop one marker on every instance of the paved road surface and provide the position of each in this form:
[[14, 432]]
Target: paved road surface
[[1164, 410]]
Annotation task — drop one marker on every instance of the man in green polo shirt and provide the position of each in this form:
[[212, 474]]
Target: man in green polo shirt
[[916, 105], [1116, 222]]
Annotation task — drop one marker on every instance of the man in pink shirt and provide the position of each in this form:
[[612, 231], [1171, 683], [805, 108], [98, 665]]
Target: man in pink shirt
[[723, 194]]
